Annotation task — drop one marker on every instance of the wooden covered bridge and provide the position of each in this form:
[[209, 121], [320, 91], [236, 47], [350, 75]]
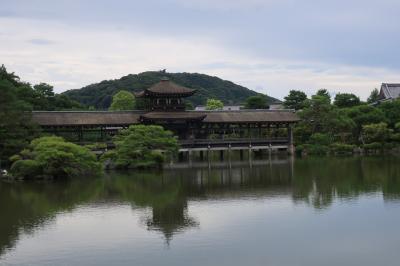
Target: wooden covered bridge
[[196, 130]]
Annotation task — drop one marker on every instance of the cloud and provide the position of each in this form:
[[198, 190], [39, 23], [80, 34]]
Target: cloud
[[273, 45], [39, 41]]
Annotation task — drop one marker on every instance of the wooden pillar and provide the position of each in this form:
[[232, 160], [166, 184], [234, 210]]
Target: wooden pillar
[[250, 158], [101, 133], [250, 152], [290, 139], [190, 156], [180, 156], [80, 134]]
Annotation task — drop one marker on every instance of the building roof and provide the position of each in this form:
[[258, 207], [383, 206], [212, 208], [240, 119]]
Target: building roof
[[173, 116], [166, 88], [123, 118], [390, 91], [89, 118], [224, 108], [251, 116]]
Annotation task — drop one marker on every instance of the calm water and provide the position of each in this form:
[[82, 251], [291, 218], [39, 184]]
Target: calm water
[[333, 211]]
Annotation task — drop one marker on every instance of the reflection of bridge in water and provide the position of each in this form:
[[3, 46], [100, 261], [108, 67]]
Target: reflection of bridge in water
[[167, 196]]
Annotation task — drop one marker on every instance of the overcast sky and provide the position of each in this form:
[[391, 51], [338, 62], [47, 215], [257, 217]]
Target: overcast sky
[[270, 46]]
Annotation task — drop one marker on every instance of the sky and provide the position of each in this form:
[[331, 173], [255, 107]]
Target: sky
[[271, 46]]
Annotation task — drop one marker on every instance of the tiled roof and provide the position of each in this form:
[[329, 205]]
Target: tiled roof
[[251, 116], [119, 118], [390, 90], [71, 118], [166, 87], [174, 116]]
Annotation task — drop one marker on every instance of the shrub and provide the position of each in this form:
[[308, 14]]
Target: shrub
[[52, 157], [373, 146], [26, 169], [342, 148], [142, 146], [376, 132], [320, 139], [96, 146], [313, 149]]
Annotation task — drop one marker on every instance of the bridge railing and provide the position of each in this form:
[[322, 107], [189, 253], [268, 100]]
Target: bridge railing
[[195, 143]]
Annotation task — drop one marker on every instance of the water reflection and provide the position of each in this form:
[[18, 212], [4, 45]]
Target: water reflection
[[27, 206]]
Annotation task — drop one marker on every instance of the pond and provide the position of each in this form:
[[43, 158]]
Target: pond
[[282, 211]]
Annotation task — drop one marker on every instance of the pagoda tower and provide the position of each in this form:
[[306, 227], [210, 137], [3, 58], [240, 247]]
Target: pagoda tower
[[165, 96]]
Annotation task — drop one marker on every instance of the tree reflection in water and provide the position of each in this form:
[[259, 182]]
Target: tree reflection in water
[[27, 206]]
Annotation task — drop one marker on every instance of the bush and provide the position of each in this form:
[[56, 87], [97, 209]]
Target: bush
[[342, 148], [142, 146], [320, 139], [26, 169], [373, 146], [313, 149], [376, 132], [52, 157], [96, 146]]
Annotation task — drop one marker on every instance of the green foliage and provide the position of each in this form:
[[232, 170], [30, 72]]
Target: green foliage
[[313, 149], [397, 126], [295, 100], [42, 98], [142, 146], [376, 133], [17, 99], [373, 146], [341, 148], [123, 100], [53, 157], [189, 106], [343, 100], [374, 96], [320, 139], [256, 102], [317, 114], [16, 128], [99, 94], [96, 146], [324, 93], [391, 110], [214, 104], [44, 90], [364, 115]]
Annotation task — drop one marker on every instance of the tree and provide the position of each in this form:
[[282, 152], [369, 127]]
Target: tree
[[391, 110], [343, 100], [256, 102], [16, 128], [324, 93], [214, 104], [317, 113], [123, 100], [43, 89], [374, 96], [295, 100], [142, 146], [364, 115], [10, 77], [376, 133], [53, 157]]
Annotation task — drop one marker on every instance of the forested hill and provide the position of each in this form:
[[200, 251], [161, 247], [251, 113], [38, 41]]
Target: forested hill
[[100, 94]]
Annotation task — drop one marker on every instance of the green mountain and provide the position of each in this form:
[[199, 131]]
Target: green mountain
[[100, 94]]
